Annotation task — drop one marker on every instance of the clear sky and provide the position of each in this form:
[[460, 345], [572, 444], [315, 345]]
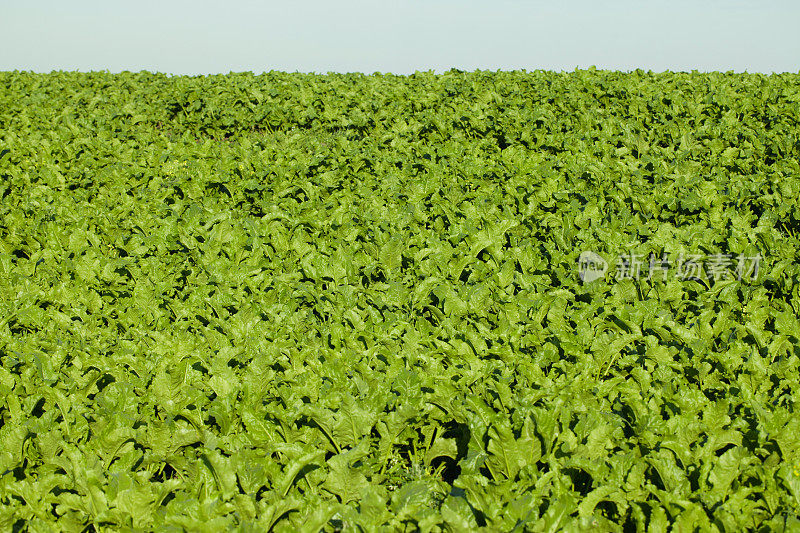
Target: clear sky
[[202, 37]]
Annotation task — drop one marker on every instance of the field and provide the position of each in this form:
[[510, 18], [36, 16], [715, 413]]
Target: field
[[504, 301]]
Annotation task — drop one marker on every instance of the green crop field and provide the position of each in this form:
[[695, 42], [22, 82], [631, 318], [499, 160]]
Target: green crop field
[[441, 302]]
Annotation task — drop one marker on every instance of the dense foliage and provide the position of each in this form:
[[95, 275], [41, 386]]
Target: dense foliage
[[347, 302]]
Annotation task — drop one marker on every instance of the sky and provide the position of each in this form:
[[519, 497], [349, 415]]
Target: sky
[[204, 37]]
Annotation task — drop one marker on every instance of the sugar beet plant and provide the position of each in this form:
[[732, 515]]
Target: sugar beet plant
[[300, 302]]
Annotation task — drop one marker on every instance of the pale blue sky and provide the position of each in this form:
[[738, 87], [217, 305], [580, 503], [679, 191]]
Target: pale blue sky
[[201, 37]]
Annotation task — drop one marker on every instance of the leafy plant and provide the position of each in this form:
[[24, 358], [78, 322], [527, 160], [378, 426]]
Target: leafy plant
[[300, 302]]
